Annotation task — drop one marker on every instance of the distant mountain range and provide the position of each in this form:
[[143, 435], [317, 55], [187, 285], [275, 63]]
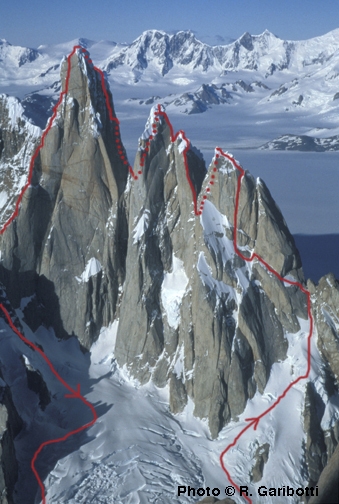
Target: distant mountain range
[[262, 74], [157, 51], [303, 143]]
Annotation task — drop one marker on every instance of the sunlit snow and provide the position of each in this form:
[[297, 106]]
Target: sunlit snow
[[141, 226], [172, 291], [93, 267]]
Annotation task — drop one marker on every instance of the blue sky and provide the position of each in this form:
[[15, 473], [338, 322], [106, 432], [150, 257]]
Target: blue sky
[[36, 22]]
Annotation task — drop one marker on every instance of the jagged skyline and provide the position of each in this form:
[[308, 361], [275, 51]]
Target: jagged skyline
[[216, 22]]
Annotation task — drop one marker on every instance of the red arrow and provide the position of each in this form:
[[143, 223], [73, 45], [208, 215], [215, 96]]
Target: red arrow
[[254, 421], [75, 393]]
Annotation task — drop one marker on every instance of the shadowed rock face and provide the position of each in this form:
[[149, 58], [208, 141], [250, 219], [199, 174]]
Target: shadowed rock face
[[71, 216], [322, 441], [18, 140]]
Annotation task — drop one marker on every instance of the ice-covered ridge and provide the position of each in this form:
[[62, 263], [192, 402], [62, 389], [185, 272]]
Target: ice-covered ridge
[[215, 226], [15, 109], [19, 137], [217, 286], [153, 118], [184, 143]]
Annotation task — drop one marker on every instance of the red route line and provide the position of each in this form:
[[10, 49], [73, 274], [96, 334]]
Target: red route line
[[185, 139], [253, 422], [41, 144], [74, 394], [110, 113], [173, 136], [50, 124]]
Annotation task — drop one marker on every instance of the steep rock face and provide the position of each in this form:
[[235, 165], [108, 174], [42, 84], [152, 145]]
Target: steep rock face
[[158, 204], [68, 242], [194, 312], [325, 297]]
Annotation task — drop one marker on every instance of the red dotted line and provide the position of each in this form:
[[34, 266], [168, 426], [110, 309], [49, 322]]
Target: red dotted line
[[253, 422], [181, 133], [212, 180], [144, 154], [146, 149]]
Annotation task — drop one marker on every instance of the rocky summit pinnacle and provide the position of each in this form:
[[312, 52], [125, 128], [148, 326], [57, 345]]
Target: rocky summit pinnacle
[[66, 247], [193, 298]]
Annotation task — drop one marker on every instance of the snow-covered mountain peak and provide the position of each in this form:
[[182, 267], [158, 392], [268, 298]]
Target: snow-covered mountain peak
[[246, 41], [16, 55], [150, 34], [84, 42]]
